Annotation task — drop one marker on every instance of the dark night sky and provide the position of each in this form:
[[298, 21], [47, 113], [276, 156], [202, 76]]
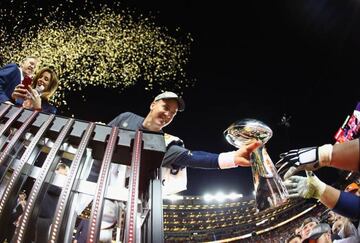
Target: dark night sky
[[252, 59], [256, 59]]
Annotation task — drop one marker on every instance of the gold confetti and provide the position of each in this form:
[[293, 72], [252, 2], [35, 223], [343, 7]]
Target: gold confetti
[[101, 48]]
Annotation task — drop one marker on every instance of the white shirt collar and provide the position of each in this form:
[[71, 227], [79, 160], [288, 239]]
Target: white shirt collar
[[21, 74]]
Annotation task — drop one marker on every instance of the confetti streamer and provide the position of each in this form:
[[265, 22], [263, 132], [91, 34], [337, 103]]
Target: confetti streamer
[[96, 45]]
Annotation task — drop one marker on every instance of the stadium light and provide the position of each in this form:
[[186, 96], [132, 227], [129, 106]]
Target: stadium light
[[208, 197], [173, 197], [234, 196], [220, 197]]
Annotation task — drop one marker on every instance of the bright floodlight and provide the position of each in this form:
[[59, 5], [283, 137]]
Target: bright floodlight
[[208, 197], [173, 197], [220, 197], [234, 196]]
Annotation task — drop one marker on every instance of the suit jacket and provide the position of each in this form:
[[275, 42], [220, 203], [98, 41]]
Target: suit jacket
[[10, 76], [81, 231]]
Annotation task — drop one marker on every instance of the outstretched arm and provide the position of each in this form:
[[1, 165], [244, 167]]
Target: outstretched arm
[[343, 203], [181, 157], [330, 197], [343, 156]]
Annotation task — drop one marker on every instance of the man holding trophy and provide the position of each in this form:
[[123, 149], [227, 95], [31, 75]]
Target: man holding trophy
[[163, 110]]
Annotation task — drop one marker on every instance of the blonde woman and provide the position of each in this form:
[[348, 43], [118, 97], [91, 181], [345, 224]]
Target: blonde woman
[[37, 95]]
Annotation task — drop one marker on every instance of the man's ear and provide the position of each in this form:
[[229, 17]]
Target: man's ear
[[152, 105]]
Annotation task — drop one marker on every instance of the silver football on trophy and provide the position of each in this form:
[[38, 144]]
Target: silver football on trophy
[[245, 131]]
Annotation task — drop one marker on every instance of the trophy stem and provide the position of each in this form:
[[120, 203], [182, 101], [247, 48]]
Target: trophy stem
[[269, 189]]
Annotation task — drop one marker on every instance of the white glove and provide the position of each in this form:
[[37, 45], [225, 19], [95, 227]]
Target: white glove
[[306, 187]]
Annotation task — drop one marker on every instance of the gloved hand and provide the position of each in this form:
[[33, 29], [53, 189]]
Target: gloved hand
[[311, 158], [306, 187]]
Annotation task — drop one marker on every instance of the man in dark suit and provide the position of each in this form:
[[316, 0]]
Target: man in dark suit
[[12, 75]]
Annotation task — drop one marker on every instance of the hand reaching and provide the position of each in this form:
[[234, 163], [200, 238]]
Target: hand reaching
[[306, 187], [242, 155], [297, 160]]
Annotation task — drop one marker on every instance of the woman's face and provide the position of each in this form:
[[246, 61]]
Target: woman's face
[[44, 80]]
